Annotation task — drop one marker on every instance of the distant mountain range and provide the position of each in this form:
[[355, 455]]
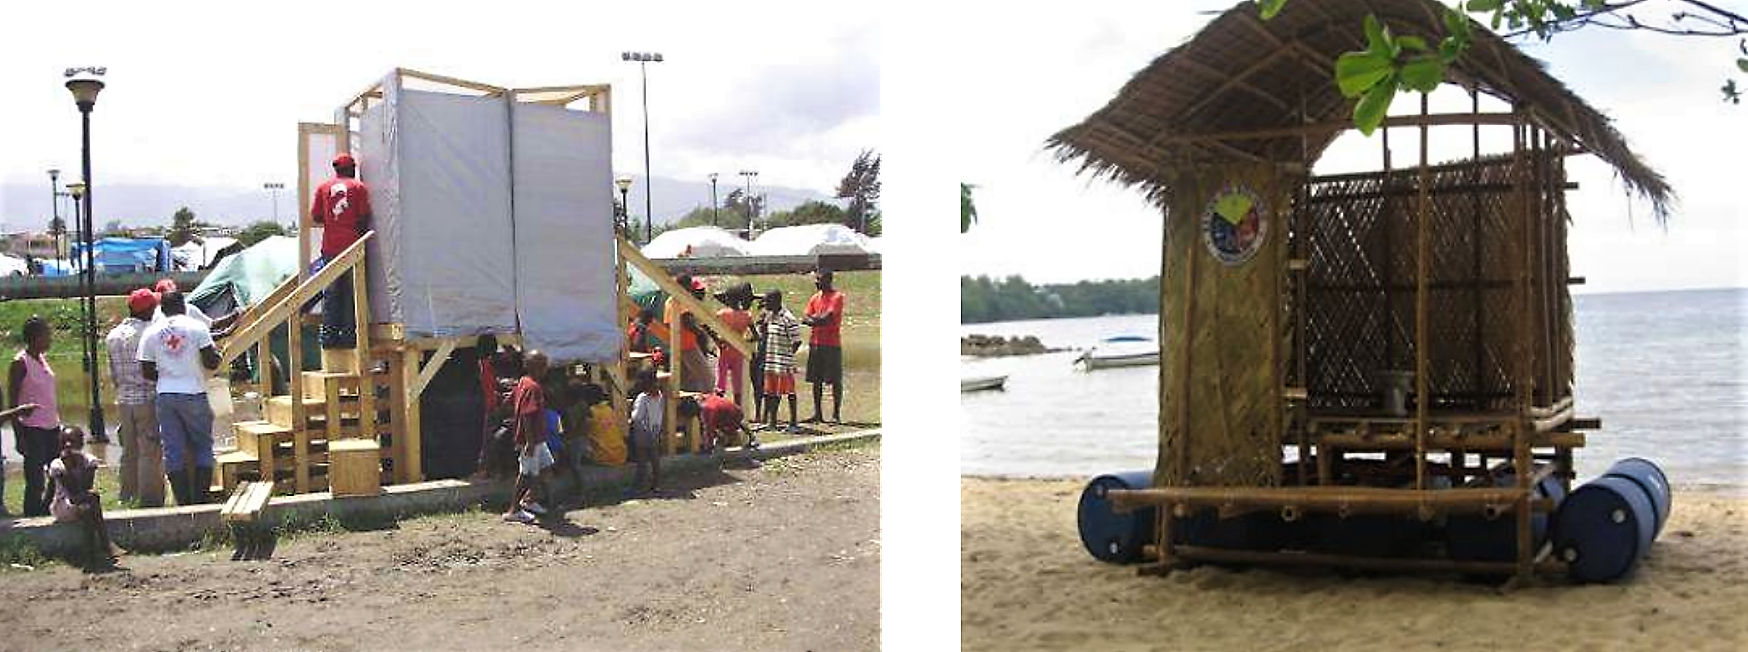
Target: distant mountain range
[[26, 207]]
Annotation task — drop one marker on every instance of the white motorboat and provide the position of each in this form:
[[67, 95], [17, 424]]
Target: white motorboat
[[1121, 351], [981, 383]]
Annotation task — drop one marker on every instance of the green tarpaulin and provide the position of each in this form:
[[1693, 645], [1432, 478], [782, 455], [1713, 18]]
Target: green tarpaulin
[[245, 278]]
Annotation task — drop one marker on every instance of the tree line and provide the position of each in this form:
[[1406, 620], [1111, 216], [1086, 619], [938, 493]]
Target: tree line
[[984, 299]]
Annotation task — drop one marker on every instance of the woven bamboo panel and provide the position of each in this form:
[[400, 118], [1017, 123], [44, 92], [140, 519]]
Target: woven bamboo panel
[[1358, 234], [1220, 423]]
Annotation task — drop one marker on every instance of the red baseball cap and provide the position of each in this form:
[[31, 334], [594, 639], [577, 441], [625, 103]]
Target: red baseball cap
[[164, 285], [142, 300], [698, 285], [344, 160]]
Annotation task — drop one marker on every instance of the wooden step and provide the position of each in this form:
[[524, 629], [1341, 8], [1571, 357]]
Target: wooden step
[[278, 410], [234, 467], [317, 384], [340, 361], [255, 436], [356, 468]]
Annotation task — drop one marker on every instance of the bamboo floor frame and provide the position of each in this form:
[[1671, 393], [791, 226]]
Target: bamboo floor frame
[[1541, 427]]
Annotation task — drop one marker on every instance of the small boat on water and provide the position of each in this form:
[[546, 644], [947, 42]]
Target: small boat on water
[[1120, 351], [981, 383]]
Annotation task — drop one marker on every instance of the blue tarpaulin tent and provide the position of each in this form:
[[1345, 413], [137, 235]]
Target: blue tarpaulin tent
[[127, 255]]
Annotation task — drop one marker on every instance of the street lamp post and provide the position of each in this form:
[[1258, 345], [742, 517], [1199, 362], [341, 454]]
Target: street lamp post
[[624, 184], [747, 198], [85, 83], [643, 60], [76, 191], [55, 210], [712, 199]]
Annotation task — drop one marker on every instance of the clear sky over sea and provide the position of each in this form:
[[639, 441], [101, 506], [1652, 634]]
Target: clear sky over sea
[[1043, 71]]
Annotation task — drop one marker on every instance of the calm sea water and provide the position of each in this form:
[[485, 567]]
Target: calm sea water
[[1667, 372]]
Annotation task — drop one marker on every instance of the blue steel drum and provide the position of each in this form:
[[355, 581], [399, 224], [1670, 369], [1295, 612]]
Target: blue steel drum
[[1108, 535], [1259, 530], [1366, 535], [1650, 478], [1604, 528], [1472, 537]]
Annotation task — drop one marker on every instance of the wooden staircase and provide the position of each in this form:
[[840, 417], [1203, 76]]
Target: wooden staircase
[[290, 448]]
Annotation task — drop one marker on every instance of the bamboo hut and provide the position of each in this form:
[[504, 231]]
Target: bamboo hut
[[1388, 344]]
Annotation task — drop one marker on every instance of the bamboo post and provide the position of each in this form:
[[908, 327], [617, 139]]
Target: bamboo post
[[1476, 270], [1180, 443], [616, 392], [1422, 398], [1520, 442]]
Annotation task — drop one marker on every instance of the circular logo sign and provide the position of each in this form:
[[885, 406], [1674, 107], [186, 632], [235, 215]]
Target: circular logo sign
[[1233, 225]]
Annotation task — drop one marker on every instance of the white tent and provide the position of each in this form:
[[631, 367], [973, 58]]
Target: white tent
[[194, 255], [697, 242], [13, 266], [812, 240]]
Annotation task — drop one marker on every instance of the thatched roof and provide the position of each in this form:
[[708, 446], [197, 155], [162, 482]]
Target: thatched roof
[[1241, 73]]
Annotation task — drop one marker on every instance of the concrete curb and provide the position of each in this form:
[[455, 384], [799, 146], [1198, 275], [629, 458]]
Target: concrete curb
[[172, 528]]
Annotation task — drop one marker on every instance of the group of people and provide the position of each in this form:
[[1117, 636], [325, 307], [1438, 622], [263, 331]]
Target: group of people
[[776, 333], [159, 358]]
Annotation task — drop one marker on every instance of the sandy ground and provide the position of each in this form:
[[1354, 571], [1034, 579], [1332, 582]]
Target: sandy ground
[[783, 557], [1027, 584]]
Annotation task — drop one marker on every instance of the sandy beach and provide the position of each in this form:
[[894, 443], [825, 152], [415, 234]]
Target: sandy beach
[[1026, 584], [780, 557]]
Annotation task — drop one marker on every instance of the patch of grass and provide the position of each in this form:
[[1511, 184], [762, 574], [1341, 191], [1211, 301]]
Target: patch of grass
[[108, 484], [861, 336], [14, 549], [72, 392]]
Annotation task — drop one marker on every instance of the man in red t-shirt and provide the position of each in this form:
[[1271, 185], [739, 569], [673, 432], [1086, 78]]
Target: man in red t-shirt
[[342, 208], [825, 355], [718, 417]]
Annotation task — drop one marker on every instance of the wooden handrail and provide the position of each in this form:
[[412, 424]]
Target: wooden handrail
[[247, 335], [655, 272]]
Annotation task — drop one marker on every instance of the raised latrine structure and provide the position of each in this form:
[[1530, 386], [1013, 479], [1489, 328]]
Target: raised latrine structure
[[1346, 343]]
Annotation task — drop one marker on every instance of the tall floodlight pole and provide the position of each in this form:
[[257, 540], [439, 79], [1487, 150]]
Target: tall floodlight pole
[[746, 198], [273, 189], [643, 60], [85, 84], [712, 199]]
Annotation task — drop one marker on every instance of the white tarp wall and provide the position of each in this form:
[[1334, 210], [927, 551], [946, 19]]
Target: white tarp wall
[[696, 242], [564, 242], [319, 150], [438, 168]]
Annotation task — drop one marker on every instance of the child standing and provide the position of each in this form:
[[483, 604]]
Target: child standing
[[528, 406], [782, 338], [738, 319], [646, 430], [76, 500]]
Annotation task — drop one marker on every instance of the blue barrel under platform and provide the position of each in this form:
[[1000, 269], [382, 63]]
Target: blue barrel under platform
[[1108, 535]]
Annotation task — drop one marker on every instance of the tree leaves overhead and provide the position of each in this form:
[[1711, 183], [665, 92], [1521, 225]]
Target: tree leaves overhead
[[1392, 64]]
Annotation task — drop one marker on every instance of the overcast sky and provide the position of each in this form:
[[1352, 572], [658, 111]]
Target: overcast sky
[[210, 93], [1045, 70]]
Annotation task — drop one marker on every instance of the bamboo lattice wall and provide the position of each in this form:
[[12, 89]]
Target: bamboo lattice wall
[[1357, 231]]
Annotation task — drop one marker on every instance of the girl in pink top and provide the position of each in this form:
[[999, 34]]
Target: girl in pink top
[[729, 361], [32, 381]]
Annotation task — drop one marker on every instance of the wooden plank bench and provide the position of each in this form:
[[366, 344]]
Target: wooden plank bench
[[243, 513]]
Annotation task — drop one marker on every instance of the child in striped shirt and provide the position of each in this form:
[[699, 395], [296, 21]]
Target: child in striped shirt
[[782, 338]]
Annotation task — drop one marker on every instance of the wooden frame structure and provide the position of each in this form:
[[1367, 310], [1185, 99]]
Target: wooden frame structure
[[341, 400], [1453, 275]]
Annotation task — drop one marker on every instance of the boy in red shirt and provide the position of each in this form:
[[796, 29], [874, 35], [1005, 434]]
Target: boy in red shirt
[[719, 418], [825, 355], [528, 405], [341, 206]]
